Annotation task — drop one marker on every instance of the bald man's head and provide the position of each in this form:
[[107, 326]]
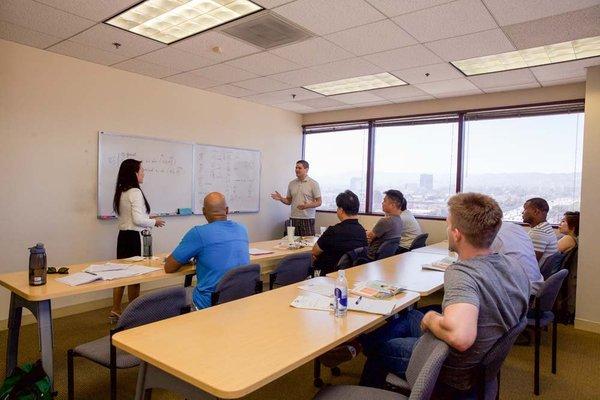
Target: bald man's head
[[215, 207]]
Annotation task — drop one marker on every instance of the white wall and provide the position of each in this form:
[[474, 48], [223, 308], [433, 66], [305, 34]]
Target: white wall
[[51, 109]]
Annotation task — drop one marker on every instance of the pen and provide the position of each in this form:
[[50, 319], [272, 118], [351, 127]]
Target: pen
[[358, 300]]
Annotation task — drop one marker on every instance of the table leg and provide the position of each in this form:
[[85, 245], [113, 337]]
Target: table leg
[[44, 318], [14, 326]]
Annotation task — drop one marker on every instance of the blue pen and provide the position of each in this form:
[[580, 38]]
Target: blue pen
[[358, 300]]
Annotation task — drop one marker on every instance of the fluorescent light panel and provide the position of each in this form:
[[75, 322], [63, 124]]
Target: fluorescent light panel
[[543, 55], [170, 20], [356, 84]]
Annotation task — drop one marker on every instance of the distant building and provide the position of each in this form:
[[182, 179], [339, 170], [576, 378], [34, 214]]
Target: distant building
[[426, 181]]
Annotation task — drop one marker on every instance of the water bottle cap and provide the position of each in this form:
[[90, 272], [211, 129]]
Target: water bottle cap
[[37, 249], [342, 273]]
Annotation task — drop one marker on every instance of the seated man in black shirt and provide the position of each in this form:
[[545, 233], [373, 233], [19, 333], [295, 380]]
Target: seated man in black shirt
[[348, 235]]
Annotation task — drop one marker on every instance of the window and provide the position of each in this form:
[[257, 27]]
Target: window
[[420, 161], [338, 161], [511, 154], [514, 159]]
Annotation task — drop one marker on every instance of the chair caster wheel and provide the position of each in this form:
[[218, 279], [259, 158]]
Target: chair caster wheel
[[335, 371], [318, 382]]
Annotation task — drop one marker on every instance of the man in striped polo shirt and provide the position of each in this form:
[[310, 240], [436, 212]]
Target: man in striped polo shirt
[[542, 235]]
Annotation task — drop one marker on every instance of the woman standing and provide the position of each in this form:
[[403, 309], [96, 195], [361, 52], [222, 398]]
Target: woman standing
[[569, 227], [132, 208]]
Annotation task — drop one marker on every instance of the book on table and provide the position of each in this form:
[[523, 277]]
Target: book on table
[[376, 289], [440, 265]]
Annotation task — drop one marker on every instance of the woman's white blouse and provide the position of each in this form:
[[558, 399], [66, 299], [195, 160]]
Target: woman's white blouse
[[132, 211]]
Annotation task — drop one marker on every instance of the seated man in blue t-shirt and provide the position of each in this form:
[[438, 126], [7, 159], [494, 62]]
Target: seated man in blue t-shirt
[[217, 247]]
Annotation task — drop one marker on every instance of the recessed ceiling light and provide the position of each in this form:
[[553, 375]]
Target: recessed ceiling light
[[543, 55], [356, 84], [170, 20]]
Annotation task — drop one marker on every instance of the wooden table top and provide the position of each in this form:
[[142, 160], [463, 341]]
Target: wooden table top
[[404, 270], [232, 349], [436, 248], [18, 282]]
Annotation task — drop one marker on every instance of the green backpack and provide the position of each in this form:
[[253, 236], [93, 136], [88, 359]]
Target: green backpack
[[29, 382]]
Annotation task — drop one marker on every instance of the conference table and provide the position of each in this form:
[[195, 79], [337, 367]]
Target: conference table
[[37, 299], [233, 349]]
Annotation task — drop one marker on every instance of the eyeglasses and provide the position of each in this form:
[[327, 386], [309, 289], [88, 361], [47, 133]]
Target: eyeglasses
[[61, 270]]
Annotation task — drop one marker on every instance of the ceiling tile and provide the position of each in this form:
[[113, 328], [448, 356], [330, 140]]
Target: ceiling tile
[[412, 99], [25, 36], [356, 98], [459, 93], [398, 92], [262, 85], [42, 18], [563, 81], [449, 86], [372, 38], [263, 64], [312, 52], [295, 106], [565, 70], [392, 8], [448, 20], [96, 10], [406, 57], [86, 53], [503, 79], [323, 17], [508, 12], [222, 73], [347, 69], [283, 96], [472, 45], [512, 87], [231, 90], [145, 68], [323, 102], [204, 43], [437, 72], [191, 79], [103, 36], [176, 59], [560, 28], [301, 77]]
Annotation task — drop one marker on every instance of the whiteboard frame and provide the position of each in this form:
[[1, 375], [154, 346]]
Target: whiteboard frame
[[103, 217], [234, 148]]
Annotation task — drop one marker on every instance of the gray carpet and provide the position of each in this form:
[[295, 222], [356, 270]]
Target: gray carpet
[[578, 366]]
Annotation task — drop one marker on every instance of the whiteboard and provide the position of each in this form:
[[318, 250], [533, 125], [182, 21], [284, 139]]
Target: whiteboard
[[168, 165], [233, 172]]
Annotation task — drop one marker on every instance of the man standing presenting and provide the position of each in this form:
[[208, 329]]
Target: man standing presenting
[[304, 195], [217, 247]]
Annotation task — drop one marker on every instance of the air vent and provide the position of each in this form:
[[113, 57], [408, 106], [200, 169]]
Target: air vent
[[267, 31]]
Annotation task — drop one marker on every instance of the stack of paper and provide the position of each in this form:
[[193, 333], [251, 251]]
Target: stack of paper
[[440, 265], [105, 272], [314, 301]]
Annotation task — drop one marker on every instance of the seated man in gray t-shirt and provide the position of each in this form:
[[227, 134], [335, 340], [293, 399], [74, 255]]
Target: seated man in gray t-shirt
[[388, 227], [484, 296]]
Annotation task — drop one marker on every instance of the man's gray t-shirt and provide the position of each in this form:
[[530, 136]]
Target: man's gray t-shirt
[[387, 228], [303, 191], [410, 229], [500, 292]]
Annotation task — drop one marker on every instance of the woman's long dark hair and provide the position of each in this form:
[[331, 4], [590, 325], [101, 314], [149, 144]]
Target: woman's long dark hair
[[127, 179]]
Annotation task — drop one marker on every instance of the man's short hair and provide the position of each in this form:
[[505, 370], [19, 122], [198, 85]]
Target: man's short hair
[[348, 202], [397, 197], [478, 217], [303, 162], [539, 203]]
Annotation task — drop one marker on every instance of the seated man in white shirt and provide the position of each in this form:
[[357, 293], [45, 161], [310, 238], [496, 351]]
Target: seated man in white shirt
[[542, 235]]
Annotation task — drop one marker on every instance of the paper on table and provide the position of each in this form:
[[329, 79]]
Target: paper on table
[[133, 270], [78, 278], [257, 252], [312, 301], [95, 268], [322, 289], [373, 306], [440, 265], [133, 259]]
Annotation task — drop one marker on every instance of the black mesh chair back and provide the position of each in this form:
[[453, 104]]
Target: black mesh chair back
[[387, 249], [547, 295], [552, 264], [419, 241], [237, 283], [291, 269], [152, 307], [353, 258], [424, 366], [494, 358]]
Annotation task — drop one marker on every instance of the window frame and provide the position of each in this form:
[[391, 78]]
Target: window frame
[[461, 116]]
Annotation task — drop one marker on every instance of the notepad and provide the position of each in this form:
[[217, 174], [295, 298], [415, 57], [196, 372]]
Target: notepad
[[322, 289], [78, 278], [105, 272], [376, 289], [257, 252], [313, 301], [95, 268], [440, 265]]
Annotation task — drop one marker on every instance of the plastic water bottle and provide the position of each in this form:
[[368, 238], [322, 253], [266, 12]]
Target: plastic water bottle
[[146, 243], [37, 265], [340, 294]]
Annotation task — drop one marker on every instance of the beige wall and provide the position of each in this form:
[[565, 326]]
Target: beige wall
[[588, 277], [51, 109]]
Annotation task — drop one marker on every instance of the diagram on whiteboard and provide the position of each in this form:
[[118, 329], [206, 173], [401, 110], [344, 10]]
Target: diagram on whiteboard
[[233, 172]]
